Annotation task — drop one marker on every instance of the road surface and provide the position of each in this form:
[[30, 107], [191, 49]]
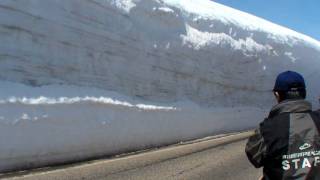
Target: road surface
[[213, 158]]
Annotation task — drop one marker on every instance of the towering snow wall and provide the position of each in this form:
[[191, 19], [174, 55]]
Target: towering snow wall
[[87, 78]]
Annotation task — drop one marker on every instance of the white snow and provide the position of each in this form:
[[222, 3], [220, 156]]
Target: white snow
[[41, 100], [290, 55], [200, 39], [82, 79], [166, 9], [125, 5], [14, 93], [208, 9], [264, 68], [49, 130]]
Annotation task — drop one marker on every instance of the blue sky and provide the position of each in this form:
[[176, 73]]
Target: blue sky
[[300, 15]]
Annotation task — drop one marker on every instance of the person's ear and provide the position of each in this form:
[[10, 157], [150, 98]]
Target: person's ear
[[277, 95]]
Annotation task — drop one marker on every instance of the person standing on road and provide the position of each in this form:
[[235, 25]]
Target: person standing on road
[[287, 142]]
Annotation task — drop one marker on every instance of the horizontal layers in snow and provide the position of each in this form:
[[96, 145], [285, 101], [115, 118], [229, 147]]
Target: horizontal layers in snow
[[162, 51], [48, 130], [159, 72]]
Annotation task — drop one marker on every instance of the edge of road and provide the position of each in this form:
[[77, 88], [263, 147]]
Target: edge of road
[[129, 161]]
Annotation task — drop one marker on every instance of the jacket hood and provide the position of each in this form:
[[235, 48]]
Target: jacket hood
[[291, 106]]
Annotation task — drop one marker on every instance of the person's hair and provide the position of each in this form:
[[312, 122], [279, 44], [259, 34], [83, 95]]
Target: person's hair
[[292, 94]]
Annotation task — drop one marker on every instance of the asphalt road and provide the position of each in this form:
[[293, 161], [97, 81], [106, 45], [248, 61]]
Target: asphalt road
[[213, 158]]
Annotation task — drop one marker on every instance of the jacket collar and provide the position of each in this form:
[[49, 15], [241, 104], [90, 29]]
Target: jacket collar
[[291, 106]]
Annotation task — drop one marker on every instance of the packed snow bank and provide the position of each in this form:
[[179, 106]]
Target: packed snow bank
[[81, 79], [206, 9], [39, 127], [162, 51]]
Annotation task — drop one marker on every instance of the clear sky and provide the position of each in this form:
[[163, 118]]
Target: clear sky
[[300, 15]]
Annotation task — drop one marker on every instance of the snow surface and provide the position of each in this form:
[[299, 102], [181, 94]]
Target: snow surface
[[42, 99], [38, 126], [83, 79], [200, 39], [125, 5], [207, 9]]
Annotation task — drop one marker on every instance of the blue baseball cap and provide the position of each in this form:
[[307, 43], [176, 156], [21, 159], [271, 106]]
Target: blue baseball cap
[[289, 80]]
